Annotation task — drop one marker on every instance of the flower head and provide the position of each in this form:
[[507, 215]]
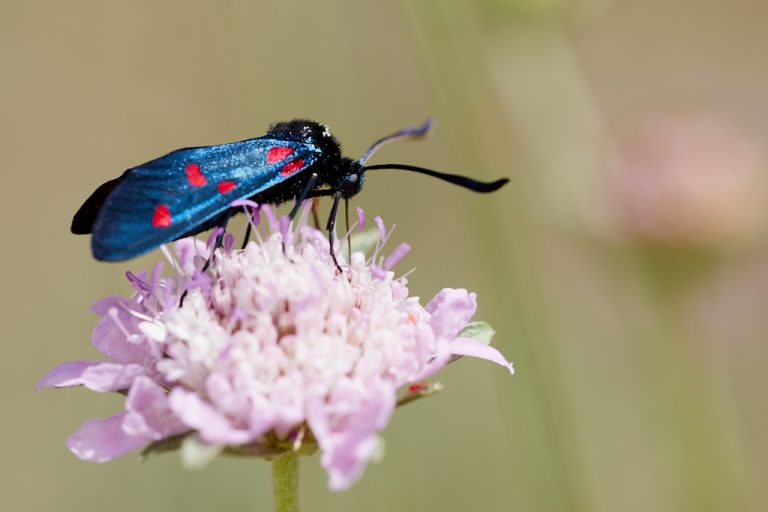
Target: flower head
[[691, 179], [271, 349]]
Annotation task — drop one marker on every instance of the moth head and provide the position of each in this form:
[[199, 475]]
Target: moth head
[[351, 178]]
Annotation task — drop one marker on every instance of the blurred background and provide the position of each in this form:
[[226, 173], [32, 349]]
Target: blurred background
[[625, 268]]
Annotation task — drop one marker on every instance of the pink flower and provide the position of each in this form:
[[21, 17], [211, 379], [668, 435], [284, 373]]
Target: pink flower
[[691, 179], [272, 350]]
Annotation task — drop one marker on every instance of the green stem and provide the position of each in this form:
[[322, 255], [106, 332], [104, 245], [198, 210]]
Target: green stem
[[285, 482]]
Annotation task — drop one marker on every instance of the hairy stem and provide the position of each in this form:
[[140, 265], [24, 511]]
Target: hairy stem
[[285, 482]]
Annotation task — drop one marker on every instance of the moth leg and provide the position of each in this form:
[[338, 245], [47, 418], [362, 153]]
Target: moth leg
[[349, 237], [247, 236], [332, 225], [315, 195], [304, 194], [249, 228], [219, 238], [300, 199], [216, 245], [327, 192]]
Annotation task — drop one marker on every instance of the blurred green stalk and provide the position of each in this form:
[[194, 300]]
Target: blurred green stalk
[[285, 482]]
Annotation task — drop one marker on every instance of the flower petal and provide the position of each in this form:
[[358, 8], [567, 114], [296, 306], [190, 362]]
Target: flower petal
[[188, 250], [347, 436], [65, 375], [451, 309], [149, 414], [111, 338], [440, 358], [104, 305], [100, 440], [94, 375], [474, 348], [111, 376], [198, 414]]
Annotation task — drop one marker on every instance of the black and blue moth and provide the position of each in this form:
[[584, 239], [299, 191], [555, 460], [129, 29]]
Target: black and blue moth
[[192, 189]]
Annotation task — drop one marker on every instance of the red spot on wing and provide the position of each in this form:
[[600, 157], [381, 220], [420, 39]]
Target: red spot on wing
[[226, 186], [195, 178], [162, 217], [278, 153], [292, 167]]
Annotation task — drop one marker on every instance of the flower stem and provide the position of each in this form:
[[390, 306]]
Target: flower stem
[[285, 482]]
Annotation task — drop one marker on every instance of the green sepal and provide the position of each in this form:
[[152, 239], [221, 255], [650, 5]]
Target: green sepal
[[478, 331], [168, 444]]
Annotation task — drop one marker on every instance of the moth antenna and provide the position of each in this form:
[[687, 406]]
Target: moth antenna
[[462, 181], [404, 134]]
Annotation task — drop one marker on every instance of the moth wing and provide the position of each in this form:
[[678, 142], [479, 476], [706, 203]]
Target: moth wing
[[166, 198]]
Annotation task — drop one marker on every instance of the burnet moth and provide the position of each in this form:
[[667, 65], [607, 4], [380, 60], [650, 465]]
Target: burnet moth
[[193, 189]]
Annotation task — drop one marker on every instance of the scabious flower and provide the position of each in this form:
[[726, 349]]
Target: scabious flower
[[271, 349], [691, 179]]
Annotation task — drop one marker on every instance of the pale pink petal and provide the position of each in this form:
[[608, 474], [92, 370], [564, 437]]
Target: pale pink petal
[[474, 348], [190, 250], [149, 414], [101, 440], [94, 375], [198, 414], [111, 376], [262, 418], [138, 283], [451, 309], [65, 375], [110, 339], [288, 405], [440, 358], [104, 305], [348, 439]]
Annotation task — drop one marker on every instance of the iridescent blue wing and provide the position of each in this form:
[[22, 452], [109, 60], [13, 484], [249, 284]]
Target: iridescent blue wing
[[174, 195]]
